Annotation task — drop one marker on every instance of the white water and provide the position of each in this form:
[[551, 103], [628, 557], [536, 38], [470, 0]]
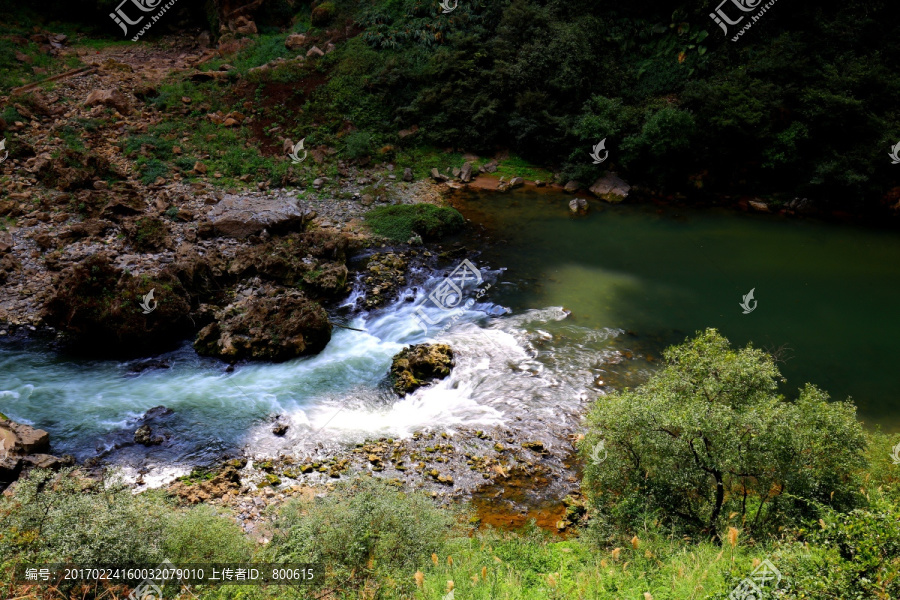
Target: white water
[[532, 369]]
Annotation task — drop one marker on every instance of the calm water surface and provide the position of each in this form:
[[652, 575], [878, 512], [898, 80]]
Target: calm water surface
[[826, 293]]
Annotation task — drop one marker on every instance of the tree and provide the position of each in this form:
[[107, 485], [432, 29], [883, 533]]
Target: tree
[[708, 442]]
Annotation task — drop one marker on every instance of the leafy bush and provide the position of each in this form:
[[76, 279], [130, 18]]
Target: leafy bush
[[707, 440], [201, 535], [400, 222], [358, 144], [851, 556], [63, 517], [363, 527]]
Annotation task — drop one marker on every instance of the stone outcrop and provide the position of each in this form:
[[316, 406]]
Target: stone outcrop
[[314, 261], [269, 323], [196, 488], [97, 308], [611, 188], [295, 41], [241, 217], [111, 98], [23, 447], [419, 365]]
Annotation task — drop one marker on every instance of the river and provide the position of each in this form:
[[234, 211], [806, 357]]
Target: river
[[592, 300]]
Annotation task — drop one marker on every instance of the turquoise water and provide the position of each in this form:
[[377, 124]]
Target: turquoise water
[[592, 301], [826, 293]]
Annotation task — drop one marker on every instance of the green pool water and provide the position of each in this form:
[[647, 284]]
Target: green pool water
[[826, 293]]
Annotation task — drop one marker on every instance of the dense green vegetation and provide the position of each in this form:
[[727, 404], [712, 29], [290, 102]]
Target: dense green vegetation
[[403, 221], [828, 495], [707, 443], [803, 104]]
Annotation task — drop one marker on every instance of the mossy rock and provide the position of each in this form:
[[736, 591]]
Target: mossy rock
[[323, 14], [417, 366]]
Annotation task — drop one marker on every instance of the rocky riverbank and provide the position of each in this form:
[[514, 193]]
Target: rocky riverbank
[[112, 263]]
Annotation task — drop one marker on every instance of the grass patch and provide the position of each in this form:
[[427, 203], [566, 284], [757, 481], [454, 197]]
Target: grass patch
[[401, 222], [515, 166]]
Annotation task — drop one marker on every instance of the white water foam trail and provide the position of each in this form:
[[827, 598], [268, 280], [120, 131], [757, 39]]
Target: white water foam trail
[[532, 369]]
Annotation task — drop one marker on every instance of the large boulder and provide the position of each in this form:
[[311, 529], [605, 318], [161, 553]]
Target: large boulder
[[295, 41], [465, 174], [314, 261], [28, 439], [242, 216], [22, 447], [611, 188], [100, 309], [268, 324], [111, 98], [419, 365]]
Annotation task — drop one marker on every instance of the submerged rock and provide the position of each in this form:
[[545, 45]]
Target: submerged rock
[[419, 365], [144, 435], [385, 277], [578, 204]]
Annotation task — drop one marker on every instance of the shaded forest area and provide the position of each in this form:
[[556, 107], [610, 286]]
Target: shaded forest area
[[803, 104]]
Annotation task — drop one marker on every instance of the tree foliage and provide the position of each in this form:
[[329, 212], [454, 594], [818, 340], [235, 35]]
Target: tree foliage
[[708, 442]]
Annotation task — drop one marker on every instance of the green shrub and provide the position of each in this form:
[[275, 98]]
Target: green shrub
[[358, 144], [363, 527], [851, 556], [707, 442], [201, 535], [402, 221], [63, 517]]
